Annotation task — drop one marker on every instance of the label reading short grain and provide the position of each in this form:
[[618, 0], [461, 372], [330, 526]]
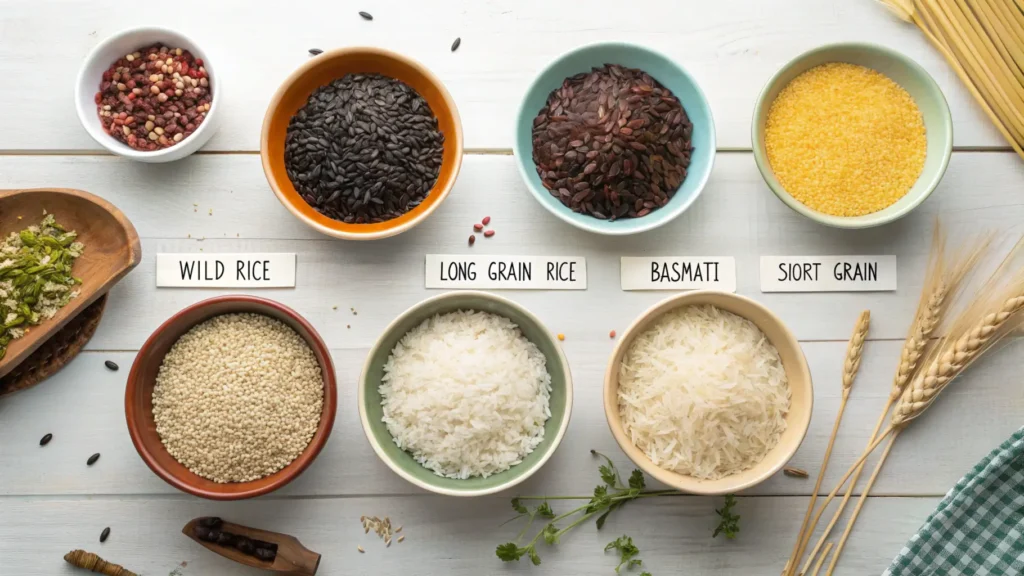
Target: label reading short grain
[[828, 273], [678, 273], [274, 270], [499, 272]]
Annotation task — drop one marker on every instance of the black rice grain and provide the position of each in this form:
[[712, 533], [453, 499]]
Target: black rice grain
[[456, 44], [104, 535], [366, 15], [46, 440], [92, 459], [315, 51], [110, 364], [363, 149]]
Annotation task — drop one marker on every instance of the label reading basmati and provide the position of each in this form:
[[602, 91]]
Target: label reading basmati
[[678, 273], [274, 270], [828, 273], [500, 272]]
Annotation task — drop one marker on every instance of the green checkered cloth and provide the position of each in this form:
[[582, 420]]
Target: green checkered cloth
[[978, 528]]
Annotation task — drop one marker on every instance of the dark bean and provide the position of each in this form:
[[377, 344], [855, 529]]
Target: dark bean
[[46, 440], [211, 522], [366, 15], [456, 44], [92, 459], [105, 534], [612, 143], [472, 239], [110, 364], [265, 554], [315, 51]]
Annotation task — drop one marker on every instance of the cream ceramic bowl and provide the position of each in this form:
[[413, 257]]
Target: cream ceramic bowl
[[105, 54], [797, 419]]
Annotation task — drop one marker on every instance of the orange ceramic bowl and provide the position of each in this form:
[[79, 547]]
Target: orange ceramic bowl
[[138, 398], [326, 68]]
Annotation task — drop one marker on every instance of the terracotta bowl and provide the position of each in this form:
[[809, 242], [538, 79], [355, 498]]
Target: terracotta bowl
[[797, 419], [324, 69], [138, 401]]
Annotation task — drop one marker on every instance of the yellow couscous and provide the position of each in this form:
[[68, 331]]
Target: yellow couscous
[[845, 140]]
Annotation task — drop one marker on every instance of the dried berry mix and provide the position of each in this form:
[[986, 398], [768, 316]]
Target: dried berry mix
[[154, 98], [612, 143], [365, 148]]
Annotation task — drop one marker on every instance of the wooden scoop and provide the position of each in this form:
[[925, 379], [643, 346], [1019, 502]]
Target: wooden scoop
[[293, 559], [112, 249]]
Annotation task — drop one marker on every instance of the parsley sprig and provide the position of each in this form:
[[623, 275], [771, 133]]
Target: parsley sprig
[[612, 495], [628, 553], [729, 523]]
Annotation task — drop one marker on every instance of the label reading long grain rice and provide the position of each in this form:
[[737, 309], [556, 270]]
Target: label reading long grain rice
[[500, 272], [678, 273], [828, 273], [274, 270]]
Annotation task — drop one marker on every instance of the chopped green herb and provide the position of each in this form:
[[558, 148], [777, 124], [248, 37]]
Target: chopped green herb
[[35, 277]]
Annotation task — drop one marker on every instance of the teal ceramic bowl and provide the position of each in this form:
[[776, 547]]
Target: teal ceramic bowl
[[371, 412], [662, 69], [913, 78]]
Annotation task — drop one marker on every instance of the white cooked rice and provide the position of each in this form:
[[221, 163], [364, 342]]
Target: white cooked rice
[[703, 393], [466, 394]]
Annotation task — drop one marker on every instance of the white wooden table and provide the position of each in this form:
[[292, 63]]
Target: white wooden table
[[50, 502]]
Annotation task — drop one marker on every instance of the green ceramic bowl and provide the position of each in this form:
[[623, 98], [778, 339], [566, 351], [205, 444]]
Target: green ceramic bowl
[[902, 70], [371, 412]]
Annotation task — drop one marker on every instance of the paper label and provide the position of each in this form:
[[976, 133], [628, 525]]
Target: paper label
[[225, 270], [828, 273], [678, 273], [498, 272]]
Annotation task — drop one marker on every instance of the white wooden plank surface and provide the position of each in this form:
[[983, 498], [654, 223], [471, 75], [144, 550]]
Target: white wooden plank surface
[[732, 47], [50, 502], [736, 216], [447, 536]]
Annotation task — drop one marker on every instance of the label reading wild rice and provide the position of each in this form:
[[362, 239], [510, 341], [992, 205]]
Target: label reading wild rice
[[275, 270], [500, 272]]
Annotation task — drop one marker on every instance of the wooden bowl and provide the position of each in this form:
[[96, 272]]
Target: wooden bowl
[[112, 249], [323, 70], [797, 419], [138, 399]]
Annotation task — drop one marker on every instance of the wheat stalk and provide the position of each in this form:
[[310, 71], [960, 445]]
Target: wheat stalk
[[944, 278], [851, 365], [817, 567], [993, 314]]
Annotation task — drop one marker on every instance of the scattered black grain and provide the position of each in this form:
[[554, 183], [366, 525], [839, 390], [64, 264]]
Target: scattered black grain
[[366, 15], [456, 44], [315, 51], [46, 440], [105, 534], [110, 364], [92, 459], [363, 149]]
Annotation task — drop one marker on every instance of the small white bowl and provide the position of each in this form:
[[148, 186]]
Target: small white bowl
[[125, 42]]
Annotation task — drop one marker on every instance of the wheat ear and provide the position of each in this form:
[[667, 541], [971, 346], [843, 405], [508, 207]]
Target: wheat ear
[[851, 365], [944, 278], [955, 357]]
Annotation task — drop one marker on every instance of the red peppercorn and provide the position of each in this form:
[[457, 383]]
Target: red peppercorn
[[487, 220], [489, 233]]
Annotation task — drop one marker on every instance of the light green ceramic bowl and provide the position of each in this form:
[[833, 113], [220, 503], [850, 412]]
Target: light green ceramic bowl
[[371, 413], [902, 70]]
